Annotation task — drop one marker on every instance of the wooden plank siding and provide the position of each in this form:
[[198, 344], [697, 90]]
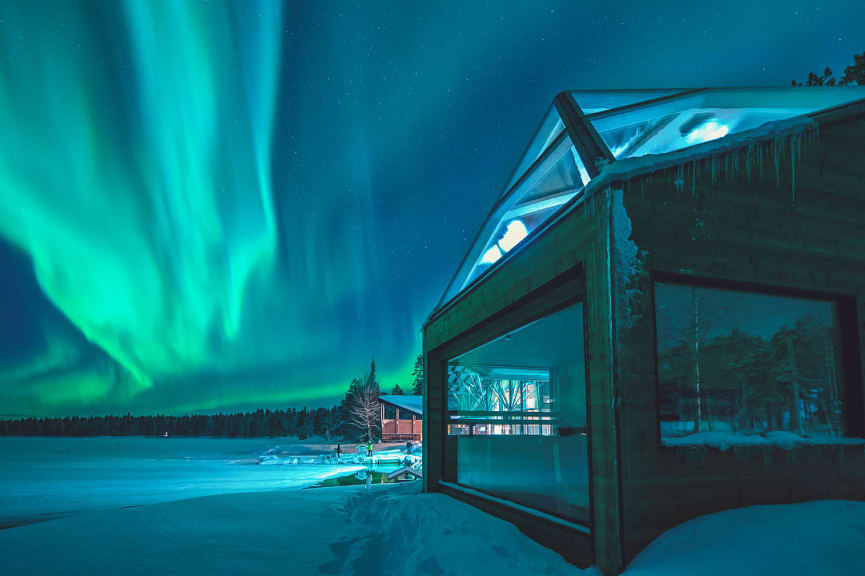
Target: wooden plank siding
[[399, 427], [754, 233], [526, 287]]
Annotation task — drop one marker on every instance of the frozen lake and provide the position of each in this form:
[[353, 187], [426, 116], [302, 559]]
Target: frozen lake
[[41, 478]]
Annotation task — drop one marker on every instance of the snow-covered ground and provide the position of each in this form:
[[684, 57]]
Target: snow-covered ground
[[44, 477], [393, 529], [351, 530], [386, 529]]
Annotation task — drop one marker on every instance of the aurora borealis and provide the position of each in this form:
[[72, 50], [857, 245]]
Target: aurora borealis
[[220, 206]]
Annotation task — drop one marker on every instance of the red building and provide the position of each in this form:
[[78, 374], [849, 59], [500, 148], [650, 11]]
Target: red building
[[401, 417]]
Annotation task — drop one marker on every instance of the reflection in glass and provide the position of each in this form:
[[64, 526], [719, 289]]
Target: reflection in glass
[[517, 407], [733, 362]]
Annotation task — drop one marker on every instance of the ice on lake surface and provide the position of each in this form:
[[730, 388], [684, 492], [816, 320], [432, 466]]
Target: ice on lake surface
[[44, 477]]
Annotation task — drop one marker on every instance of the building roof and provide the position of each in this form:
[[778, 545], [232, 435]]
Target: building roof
[[408, 402], [587, 134]]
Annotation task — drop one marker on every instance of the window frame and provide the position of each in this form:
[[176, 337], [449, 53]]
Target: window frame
[[567, 289], [853, 410]]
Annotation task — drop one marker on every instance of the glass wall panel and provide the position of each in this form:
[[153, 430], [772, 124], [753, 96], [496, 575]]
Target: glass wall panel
[[734, 363], [389, 412], [517, 407]]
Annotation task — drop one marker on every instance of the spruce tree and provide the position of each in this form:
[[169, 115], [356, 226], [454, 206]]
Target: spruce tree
[[855, 73], [417, 375]]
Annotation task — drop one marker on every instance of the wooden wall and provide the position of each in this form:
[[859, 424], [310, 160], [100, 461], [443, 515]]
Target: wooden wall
[[567, 261], [744, 231]]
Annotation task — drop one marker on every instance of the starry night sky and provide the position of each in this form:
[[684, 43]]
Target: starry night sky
[[208, 206]]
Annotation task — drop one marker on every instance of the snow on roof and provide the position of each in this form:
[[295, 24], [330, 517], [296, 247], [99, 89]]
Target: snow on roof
[[633, 131], [408, 402]]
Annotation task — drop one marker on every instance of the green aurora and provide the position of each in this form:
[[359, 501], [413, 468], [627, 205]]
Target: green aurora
[[135, 171], [172, 203], [226, 205]]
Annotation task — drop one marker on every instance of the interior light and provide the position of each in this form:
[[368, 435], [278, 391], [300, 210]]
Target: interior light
[[514, 234], [711, 130], [492, 255]]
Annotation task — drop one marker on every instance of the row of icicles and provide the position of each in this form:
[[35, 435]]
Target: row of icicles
[[758, 156]]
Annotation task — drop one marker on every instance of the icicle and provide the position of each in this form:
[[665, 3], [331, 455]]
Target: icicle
[[693, 178], [735, 174], [793, 150], [775, 152], [761, 162]]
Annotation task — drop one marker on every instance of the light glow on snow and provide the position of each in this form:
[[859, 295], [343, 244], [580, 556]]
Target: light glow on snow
[[711, 130], [515, 233]]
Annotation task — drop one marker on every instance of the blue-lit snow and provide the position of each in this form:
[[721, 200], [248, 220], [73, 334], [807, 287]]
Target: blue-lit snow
[[45, 477], [824, 538], [392, 528]]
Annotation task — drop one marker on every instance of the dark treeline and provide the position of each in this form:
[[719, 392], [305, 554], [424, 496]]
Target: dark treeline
[[302, 423], [355, 418]]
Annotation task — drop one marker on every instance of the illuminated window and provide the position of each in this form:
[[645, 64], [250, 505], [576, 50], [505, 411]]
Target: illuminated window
[[517, 407]]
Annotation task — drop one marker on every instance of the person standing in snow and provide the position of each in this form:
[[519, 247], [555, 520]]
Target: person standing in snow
[[408, 447], [338, 452]]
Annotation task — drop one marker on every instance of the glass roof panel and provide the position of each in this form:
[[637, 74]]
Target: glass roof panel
[[676, 123], [551, 127], [631, 123], [554, 181], [594, 101]]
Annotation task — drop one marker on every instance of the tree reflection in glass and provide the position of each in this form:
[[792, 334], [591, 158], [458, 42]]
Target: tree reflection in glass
[[746, 363]]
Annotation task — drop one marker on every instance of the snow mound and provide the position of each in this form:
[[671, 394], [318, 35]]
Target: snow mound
[[807, 539], [397, 529]]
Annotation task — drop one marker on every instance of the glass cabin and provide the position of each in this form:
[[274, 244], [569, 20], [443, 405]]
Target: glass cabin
[[660, 318]]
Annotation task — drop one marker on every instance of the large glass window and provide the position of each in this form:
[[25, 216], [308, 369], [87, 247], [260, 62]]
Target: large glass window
[[517, 407], [733, 362]]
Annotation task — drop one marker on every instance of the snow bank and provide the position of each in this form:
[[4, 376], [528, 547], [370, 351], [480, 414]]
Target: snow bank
[[777, 439], [397, 529], [808, 539]]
